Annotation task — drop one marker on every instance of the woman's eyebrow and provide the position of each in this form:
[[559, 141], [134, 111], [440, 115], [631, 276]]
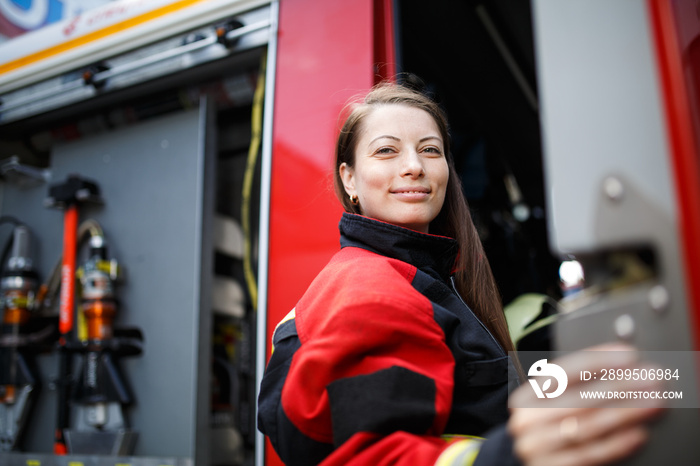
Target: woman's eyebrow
[[389, 136]]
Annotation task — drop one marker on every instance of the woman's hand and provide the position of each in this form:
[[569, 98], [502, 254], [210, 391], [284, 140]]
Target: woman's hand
[[569, 431]]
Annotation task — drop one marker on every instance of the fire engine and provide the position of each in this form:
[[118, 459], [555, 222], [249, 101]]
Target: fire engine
[[166, 196]]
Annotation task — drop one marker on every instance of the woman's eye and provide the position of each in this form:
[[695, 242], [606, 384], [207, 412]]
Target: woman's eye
[[385, 150], [432, 150]]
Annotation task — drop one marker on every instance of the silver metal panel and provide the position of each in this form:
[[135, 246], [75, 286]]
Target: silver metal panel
[[202, 278], [153, 178], [650, 323], [610, 187], [600, 111], [25, 459], [264, 228]]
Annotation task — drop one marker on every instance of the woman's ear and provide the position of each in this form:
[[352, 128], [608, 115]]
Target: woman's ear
[[347, 174]]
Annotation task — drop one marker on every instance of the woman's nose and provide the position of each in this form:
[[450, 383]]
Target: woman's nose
[[412, 165]]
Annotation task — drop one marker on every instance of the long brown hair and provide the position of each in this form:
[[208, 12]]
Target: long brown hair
[[473, 278]]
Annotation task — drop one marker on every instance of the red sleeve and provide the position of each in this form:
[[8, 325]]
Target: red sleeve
[[399, 448], [373, 375]]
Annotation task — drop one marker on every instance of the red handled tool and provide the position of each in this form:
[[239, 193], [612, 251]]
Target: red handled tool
[[68, 196]]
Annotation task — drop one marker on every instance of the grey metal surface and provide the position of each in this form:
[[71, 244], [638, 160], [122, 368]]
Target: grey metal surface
[[633, 221], [153, 178], [610, 188], [264, 227], [13, 417], [35, 459], [106, 443], [600, 111], [651, 315]]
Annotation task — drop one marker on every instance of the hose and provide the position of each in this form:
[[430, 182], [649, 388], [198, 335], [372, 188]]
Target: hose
[[253, 151]]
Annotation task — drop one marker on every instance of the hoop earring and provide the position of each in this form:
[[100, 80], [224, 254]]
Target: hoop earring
[[354, 199]]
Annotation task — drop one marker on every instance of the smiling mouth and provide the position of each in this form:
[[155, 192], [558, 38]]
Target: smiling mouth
[[411, 191]]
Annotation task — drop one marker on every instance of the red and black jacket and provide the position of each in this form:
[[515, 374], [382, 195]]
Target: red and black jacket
[[381, 360]]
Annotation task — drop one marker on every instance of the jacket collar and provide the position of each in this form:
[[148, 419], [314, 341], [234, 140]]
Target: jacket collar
[[432, 254]]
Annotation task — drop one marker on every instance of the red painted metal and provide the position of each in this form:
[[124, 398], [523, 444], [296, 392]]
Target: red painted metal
[[384, 44], [683, 142], [324, 57]]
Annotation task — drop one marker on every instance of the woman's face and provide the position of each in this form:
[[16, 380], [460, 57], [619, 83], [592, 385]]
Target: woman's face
[[400, 172]]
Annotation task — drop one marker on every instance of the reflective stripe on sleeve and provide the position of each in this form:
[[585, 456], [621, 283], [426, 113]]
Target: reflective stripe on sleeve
[[291, 315], [460, 453]]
